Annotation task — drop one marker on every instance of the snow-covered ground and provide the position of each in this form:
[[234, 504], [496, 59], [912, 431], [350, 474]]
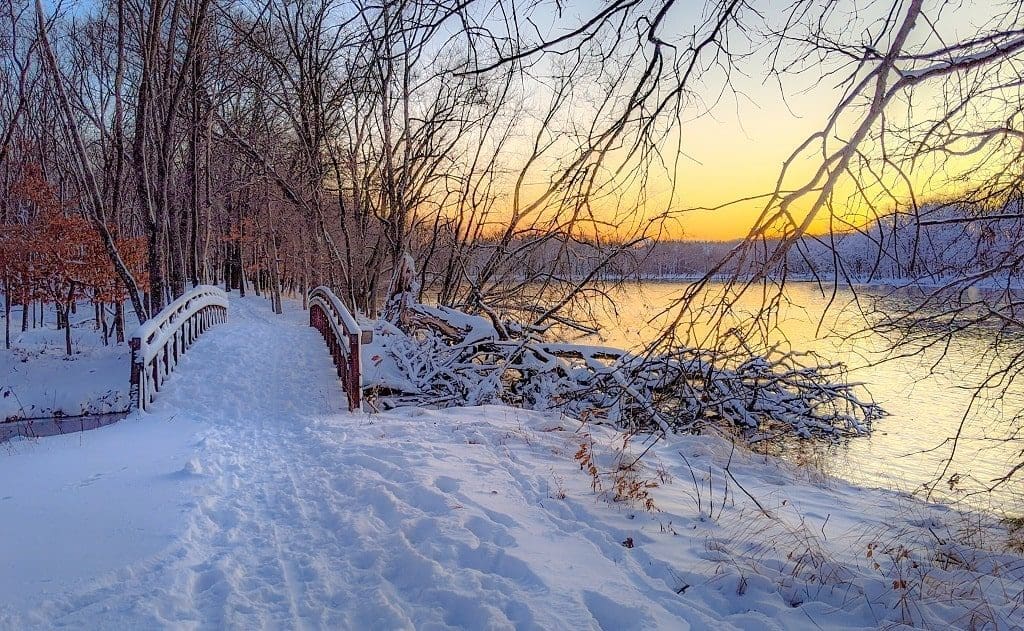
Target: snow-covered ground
[[38, 380], [247, 498]]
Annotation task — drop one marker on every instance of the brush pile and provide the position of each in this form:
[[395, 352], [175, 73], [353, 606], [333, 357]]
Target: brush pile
[[440, 357]]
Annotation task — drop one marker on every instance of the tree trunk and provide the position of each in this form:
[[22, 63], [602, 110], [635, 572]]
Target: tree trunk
[[104, 325], [156, 277], [7, 313], [119, 321], [67, 334]]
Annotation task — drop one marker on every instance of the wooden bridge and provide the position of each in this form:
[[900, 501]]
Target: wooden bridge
[[158, 345]]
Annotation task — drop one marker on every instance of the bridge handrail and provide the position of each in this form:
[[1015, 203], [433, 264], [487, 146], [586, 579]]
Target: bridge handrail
[[345, 316], [343, 336], [166, 336]]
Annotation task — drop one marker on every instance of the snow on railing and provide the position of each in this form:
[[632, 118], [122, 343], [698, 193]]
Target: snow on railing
[[160, 341], [328, 315]]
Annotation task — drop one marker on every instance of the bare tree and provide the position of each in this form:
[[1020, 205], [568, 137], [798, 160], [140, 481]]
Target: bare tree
[[922, 148], [84, 168]]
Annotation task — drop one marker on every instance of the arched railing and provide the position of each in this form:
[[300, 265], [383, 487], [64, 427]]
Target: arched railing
[[163, 339], [328, 315]]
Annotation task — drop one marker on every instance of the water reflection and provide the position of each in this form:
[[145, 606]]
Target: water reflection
[[928, 401]]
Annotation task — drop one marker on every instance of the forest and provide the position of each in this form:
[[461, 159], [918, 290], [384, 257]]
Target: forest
[[291, 144]]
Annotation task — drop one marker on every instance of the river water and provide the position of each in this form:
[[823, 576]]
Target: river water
[[926, 405]]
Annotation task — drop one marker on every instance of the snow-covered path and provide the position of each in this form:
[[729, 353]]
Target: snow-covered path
[[234, 407], [247, 498], [294, 514]]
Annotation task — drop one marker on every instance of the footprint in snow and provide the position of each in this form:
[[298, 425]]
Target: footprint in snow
[[89, 481], [446, 484]]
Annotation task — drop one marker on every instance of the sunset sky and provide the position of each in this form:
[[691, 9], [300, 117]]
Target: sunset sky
[[733, 142], [738, 153], [738, 148]]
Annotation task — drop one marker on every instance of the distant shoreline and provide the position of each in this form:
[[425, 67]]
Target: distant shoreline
[[881, 283]]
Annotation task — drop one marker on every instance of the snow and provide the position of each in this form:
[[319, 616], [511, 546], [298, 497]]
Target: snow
[[247, 498], [157, 332], [37, 379]]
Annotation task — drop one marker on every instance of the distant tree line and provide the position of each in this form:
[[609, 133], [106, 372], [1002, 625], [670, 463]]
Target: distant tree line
[[936, 244]]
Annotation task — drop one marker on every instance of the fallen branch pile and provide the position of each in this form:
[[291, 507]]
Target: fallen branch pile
[[436, 356]]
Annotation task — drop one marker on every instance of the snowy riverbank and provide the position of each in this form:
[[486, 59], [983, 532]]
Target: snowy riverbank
[[38, 380], [248, 499]]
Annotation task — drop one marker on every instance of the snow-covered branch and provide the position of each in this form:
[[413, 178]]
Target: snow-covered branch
[[442, 357]]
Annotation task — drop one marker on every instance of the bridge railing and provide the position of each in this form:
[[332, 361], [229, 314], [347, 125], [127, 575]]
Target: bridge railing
[[329, 316], [159, 343]]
